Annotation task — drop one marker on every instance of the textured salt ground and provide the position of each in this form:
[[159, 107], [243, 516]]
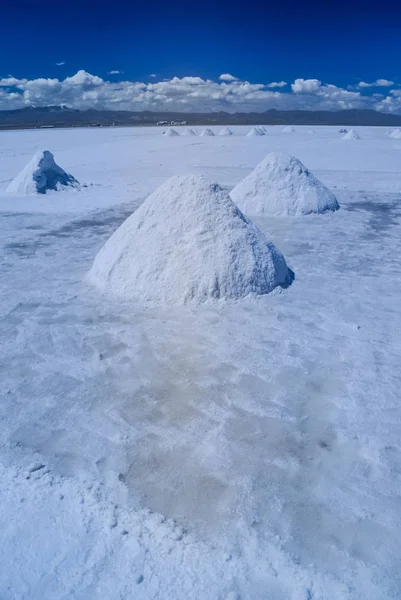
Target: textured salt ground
[[281, 416]]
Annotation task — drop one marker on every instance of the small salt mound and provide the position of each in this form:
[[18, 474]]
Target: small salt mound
[[188, 242], [40, 175], [225, 131], [254, 132], [280, 186], [207, 132], [171, 132], [288, 130], [189, 131], [351, 135], [311, 132], [396, 134]]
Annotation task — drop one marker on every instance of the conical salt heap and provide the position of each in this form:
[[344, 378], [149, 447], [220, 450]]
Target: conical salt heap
[[396, 134], [40, 175], [207, 132], [351, 135], [189, 131], [188, 242], [255, 131], [281, 186], [288, 129], [225, 131], [170, 132]]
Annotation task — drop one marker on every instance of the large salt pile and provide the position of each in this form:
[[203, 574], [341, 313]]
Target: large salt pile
[[396, 134], [207, 132], [170, 132], [188, 242], [280, 186], [225, 131], [40, 175], [351, 135], [288, 129], [255, 131], [189, 131]]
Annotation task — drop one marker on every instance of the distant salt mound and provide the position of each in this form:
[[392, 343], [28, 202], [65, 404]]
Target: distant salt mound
[[189, 131], [207, 132], [288, 130], [396, 134], [351, 135], [170, 132], [188, 242], [255, 131], [225, 131], [281, 186], [40, 175], [311, 131]]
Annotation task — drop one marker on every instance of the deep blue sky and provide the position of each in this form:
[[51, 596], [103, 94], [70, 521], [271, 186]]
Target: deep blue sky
[[339, 42]]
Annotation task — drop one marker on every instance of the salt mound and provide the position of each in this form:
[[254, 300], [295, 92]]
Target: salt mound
[[255, 131], [288, 129], [171, 132], [280, 186], [189, 131], [396, 134], [311, 131], [207, 132], [225, 131], [188, 242], [351, 135], [40, 175]]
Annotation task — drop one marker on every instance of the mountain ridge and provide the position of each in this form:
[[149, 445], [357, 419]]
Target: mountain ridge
[[62, 116]]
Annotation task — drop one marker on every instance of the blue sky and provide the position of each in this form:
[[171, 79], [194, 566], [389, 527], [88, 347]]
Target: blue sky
[[337, 43]]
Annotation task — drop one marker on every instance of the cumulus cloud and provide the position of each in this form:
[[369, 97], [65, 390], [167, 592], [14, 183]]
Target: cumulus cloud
[[227, 77], [306, 86], [187, 94], [11, 81], [115, 72], [377, 83], [82, 78]]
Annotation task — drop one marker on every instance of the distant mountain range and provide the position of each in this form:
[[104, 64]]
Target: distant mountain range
[[59, 116]]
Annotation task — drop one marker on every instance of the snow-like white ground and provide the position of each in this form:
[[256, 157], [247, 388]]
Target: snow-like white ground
[[247, 450]]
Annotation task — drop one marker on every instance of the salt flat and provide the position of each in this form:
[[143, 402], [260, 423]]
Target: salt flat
[[239, 450]]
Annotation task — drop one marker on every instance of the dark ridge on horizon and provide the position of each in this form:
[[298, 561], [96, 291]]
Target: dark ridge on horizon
[[60, 116]]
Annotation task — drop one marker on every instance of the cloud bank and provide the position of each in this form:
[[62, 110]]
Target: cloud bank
[[377, 83], [193, 94]]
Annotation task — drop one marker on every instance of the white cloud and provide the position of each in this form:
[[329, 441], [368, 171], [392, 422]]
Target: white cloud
[[83, 78], [60, 64], [306, 86], [11, 81], [277, 84], [227, 77], [115, 72], [84, 90], [377, 83], [152, 75]]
